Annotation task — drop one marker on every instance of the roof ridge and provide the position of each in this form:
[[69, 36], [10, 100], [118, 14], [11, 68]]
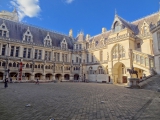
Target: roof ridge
[[145, 17], [100, 34], [30, 25]]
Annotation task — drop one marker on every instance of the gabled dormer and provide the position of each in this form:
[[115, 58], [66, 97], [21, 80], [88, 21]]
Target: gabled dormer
[[64, 44], [47, 40], [27, 36], [3, 30], [119, 24], [145, 28]]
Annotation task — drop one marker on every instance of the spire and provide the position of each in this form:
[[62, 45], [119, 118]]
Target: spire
[[15, 10], [115, 12]]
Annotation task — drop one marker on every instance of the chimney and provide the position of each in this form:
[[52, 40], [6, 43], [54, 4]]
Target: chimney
[[104, 30]]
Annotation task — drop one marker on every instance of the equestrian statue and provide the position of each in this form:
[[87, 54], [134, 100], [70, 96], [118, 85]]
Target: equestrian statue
[[132, 71]]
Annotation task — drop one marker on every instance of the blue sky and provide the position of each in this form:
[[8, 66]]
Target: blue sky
[[88, 16]]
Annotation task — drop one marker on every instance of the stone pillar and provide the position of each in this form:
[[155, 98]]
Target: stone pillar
[[71, 77], [43, 77], [53, 77], [14, 53], [60, 56], [32, 76], [62, 77], [0, 48], [21, 52], [32, 53], [43, 54]]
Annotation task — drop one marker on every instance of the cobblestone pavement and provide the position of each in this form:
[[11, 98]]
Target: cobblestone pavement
[[77, 101]]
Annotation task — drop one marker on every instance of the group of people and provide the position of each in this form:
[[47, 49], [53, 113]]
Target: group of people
[[6, 82]]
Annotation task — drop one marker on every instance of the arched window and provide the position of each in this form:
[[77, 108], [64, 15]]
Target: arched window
[[10, 64], [42, 66], [17, 64], [35, 66], [39, 66], [30, 65], [100, 70], [27, 65], [14, 64], [117, 26], [90, 70], [118, 52]]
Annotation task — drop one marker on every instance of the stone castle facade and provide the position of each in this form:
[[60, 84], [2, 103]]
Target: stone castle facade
[[48, 55]]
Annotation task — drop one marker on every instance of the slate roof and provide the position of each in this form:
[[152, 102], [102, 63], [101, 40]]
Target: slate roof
[[17, 29], [135, 26]]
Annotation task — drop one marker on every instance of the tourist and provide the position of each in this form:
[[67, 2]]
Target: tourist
[[6, 82], [37, 82], [10, 80]]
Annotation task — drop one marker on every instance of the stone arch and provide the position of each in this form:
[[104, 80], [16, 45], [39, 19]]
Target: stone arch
[[58, 77], [66, 77], [49, 76], [76, 77], [13, 75], [119, 73], [27, 65], [14, 64], [38, 76], [28, 76], [10, 64], [1, 76]]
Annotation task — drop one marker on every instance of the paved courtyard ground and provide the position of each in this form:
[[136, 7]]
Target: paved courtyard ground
[[77, 101]]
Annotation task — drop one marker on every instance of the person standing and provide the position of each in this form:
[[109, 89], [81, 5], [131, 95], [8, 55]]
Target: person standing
[[10, 80], [6, 83], [37, 82]]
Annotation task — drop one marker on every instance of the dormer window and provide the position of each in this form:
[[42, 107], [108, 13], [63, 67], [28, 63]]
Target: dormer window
[[4, 31], [48, 40], [64, 44], [3, 26], [144, 28], [27, 37], [117, 27]]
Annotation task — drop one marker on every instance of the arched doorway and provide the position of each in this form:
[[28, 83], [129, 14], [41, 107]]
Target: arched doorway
[[58, 77], [13, 75], [119, 73], [66, 77], [1, 76], [27, 76], [38, 76], [76, 77], [48, 76]]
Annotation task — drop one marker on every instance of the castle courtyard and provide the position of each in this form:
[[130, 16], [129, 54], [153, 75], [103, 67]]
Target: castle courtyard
[[77, 101]]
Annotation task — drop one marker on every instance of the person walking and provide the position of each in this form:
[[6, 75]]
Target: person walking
[[10, 80], [37, 82], [6, 83]]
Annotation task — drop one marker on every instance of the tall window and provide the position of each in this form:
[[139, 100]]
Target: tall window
[[87, 58], [159, 62], [62, 57], [76, 59], [12, 51], [138, 45], [58, 57], [29, 53], [80, 46], [35, 54], [92, 58], [65, 57], [40, 54], [101, 55], [118, 52], [117, 26], [100, 70], [3, 49], [55, 56], [17, 51], [24, 52], [158, 40], [90, 70]]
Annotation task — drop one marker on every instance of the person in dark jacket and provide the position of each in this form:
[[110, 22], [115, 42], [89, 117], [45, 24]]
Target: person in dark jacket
[[6, 82]]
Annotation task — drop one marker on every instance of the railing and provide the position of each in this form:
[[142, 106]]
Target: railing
[[143, 59]]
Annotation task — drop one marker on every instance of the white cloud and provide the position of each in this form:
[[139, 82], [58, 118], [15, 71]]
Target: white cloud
[[69, 1], [25, 8]]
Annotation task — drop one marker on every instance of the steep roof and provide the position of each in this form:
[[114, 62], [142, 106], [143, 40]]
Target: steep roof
[[17, 29]]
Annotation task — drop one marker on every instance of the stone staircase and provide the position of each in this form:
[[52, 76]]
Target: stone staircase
[[152, 83]]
